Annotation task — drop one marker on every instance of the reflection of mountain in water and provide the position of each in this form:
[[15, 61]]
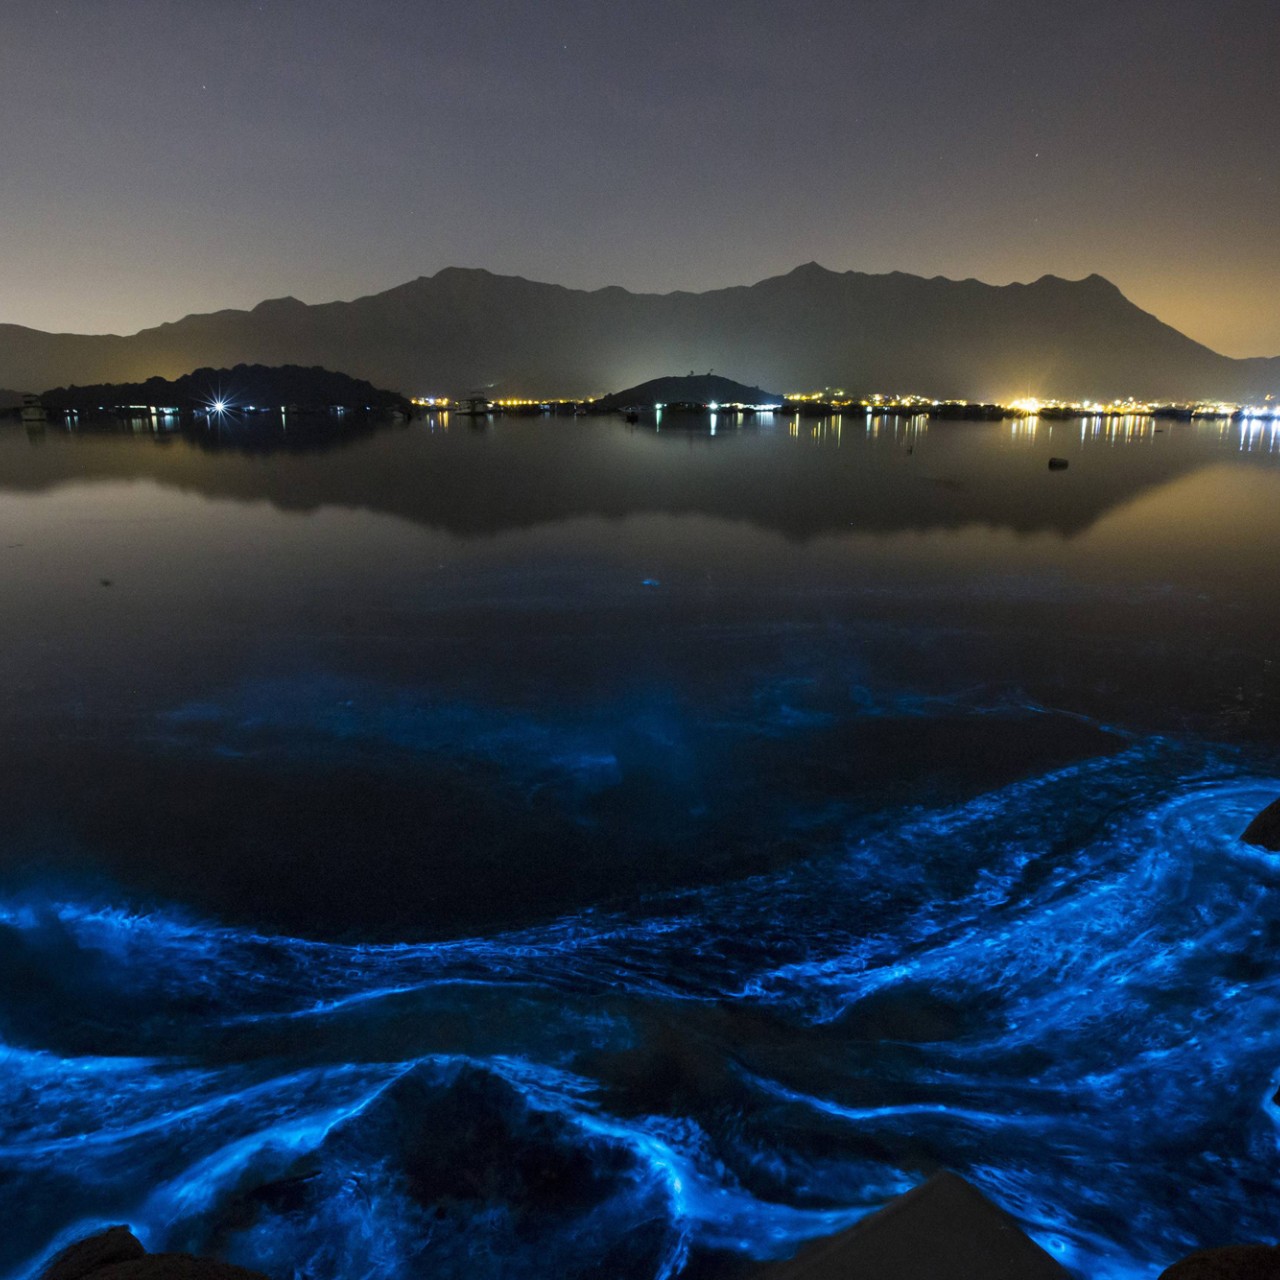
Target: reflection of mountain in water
[[830, 478]]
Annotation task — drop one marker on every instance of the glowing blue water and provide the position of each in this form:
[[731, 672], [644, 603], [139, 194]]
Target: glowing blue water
[[563, 850], [1068, 990]]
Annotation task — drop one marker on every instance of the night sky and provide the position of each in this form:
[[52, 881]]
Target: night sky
[[167, 156]]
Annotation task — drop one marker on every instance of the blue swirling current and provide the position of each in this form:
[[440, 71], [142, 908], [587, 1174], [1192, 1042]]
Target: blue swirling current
[[1068, 990]]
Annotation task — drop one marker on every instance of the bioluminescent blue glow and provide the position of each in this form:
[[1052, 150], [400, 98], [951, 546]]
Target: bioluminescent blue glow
[[1067, 989]]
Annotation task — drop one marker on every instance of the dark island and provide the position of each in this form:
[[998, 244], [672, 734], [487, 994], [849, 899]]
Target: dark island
[[697, 391], [246, 388]]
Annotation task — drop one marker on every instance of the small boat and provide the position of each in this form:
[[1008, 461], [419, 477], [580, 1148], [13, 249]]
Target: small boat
[[33, 412]]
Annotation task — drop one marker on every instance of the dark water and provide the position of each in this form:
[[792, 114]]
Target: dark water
[[579, 850]]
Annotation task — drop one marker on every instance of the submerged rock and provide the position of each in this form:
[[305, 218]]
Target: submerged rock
[[117, 1254], [1235, 1262], [1265, 829]]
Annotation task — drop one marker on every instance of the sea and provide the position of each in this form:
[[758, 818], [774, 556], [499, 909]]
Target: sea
[[564, 847]]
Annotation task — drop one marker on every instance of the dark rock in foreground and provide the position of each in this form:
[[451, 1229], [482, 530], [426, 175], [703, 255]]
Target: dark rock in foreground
[[944, 1230], [1264, 830], [1235, 1262], [117, 1254], [115, 1245]]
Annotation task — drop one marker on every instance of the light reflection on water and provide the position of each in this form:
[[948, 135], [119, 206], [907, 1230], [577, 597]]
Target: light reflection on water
[[566, 849]]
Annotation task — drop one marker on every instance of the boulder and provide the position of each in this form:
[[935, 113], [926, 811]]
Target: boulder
[[116, 1244], [1235, 1262], [1264, 830], [943, 1229], [117, 1254]]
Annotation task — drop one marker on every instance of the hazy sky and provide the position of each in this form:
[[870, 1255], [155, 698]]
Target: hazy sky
[[166, 156]]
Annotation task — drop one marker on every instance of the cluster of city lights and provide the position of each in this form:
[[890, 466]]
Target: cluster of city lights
[[518, 403], [508, 402], [1145, 408], [727, 406], [837, 398], [1032, 406]]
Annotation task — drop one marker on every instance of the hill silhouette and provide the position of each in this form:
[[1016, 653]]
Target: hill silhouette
[[462, 329], [239, 387], [705, 388]]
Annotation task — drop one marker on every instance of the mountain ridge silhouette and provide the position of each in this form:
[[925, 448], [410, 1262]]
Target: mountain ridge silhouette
[[464, 328]]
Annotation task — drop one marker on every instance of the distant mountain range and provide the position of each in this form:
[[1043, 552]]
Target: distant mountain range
[[463, 330]]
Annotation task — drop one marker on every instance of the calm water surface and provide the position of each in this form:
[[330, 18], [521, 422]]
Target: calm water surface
[[564, 848]]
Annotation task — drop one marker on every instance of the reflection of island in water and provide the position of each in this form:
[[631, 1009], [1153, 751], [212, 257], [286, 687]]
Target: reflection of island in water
[[801, 480]]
